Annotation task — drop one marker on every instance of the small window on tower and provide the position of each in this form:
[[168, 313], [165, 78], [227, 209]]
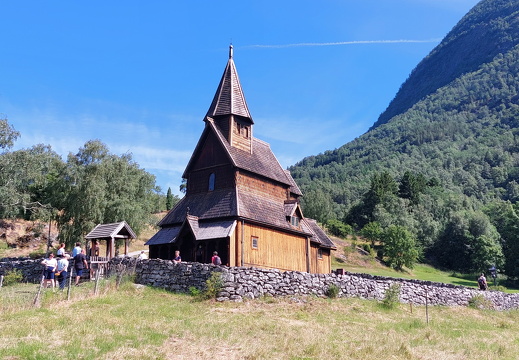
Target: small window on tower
[[211, 182], [320, 254]]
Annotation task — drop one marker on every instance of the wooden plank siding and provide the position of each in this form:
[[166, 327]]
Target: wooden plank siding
[[262, 187], [320, 265], [276, 249]]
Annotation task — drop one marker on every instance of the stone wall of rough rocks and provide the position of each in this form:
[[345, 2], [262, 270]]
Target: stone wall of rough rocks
[[240, 283], [32, 270]]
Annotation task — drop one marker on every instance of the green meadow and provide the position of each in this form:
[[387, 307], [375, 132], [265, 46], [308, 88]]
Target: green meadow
[[136, 322]]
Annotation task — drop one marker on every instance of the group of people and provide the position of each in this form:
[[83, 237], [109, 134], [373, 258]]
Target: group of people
[[56, 270]]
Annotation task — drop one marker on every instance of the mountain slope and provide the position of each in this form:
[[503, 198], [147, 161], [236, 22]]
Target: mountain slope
[[464, 133], [489, 29]]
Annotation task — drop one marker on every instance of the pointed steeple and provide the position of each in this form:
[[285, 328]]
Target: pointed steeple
[[229, 98]]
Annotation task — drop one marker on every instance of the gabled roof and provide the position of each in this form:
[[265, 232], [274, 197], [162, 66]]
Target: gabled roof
[[164, 236], [229, 98], [319, 236], [219, 203], [294, 189], [108, 231], [201, 230], [261, 161]]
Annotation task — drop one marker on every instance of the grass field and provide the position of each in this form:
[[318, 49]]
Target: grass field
[[147, 323]]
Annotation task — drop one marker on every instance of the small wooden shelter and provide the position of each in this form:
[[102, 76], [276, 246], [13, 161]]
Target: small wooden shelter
[[109, 233]]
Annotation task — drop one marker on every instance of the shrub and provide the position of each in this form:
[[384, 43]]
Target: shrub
[[480, 302], [194, 291], [213, 285], [12, 277], [391, 297], [333, 291]]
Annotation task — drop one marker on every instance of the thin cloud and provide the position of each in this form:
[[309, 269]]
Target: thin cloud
[[401, 41]]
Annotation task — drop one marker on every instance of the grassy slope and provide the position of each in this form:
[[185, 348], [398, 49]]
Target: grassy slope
[[359, 262], [149, 323]]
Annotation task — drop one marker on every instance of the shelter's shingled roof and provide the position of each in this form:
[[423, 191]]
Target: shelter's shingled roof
[[164, 236], [107, 231], [201, 231], [229, 98]]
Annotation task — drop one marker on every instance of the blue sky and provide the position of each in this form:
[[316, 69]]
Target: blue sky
[[140, 76]]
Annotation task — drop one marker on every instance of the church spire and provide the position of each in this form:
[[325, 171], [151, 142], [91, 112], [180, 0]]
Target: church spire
[[229, 98]]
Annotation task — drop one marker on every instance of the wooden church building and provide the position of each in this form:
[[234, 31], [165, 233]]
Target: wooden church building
[[239, 201]]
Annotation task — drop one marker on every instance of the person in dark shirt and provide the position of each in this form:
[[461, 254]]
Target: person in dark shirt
[[80, 264]]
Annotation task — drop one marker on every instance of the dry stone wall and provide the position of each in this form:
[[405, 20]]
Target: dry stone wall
[[250, 283], [242, 282], [32, 270]]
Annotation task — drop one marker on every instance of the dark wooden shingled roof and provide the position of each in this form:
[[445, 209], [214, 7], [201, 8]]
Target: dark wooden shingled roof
[[261, 161], [219, 203], [319, 236], [108, 231], [201, 231], [229, 98]]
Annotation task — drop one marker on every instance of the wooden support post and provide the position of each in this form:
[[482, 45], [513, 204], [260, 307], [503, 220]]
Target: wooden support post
[[36, 301]]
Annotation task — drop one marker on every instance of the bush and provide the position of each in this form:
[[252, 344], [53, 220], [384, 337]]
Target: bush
[[213, 285], [392, 296], [12, 277], [333, 291], [480, 302]]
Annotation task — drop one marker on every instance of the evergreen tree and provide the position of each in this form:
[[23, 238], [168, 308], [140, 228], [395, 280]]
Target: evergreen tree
[[169, 199]]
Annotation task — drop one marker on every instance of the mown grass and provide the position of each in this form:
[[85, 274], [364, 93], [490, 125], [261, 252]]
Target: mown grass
[[147, 323]]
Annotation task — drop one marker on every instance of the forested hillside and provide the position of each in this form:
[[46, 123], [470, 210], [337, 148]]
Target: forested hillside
[[489, 29], [442, 162]]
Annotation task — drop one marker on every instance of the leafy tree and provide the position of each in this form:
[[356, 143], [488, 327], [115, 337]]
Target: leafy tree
[[183, 186], [373, 232], [504, 217], [8, 135], [469, 243], [338, 228], [399, 247], [98, 187], [317, 205], [24, 174]]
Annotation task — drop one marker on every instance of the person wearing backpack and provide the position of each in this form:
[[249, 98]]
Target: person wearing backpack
[[216, 259], [482, 282]]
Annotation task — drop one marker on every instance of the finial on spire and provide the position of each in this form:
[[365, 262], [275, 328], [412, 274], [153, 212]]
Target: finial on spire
[[230, 51]]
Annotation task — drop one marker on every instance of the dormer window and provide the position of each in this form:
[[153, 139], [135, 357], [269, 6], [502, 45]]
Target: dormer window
[[294, 221], [211, 181]]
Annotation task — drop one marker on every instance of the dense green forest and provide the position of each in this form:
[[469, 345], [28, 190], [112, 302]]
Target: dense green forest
[[91, 187], [442, 162]]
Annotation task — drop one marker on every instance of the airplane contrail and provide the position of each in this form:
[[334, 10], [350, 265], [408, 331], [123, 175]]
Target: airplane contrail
[[342, 43]]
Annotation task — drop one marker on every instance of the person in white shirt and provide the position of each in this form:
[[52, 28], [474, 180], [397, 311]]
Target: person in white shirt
[[50, 267]]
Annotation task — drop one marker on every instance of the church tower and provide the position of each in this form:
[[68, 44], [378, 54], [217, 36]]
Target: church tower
[[229, 109]]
